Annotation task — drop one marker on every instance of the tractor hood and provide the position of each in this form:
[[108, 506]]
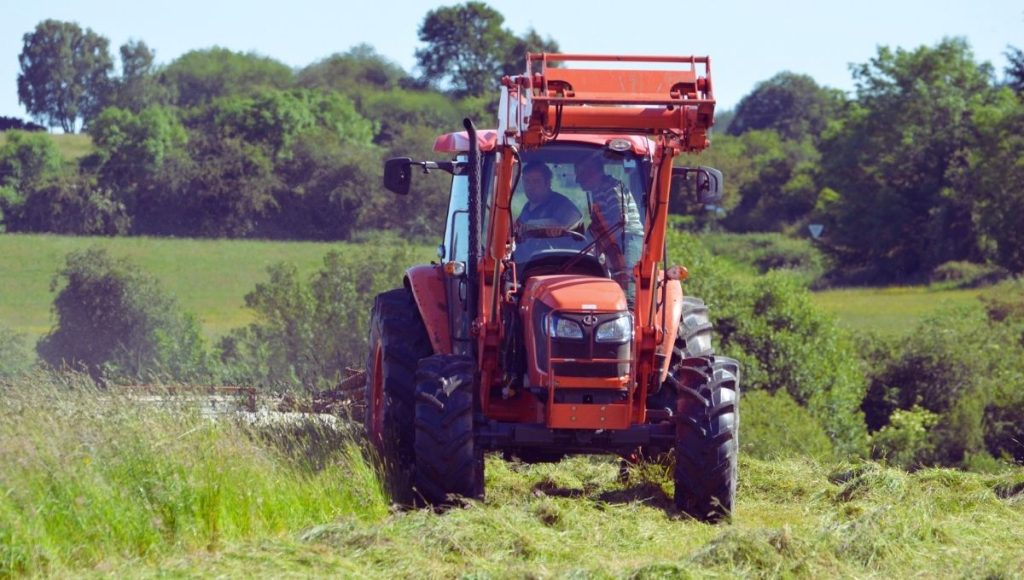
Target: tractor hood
[[575, 292]]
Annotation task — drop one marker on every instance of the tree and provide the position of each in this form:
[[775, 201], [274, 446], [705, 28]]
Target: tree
[[894, 158], [354, 72], [64, 73], [994, 182], [113, 319], [792, 104], [515, 60], [200, 76], [1015, 69], [138, 87], [468, 49]]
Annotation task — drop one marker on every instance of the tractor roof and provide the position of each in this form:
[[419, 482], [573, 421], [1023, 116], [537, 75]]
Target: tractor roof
[[488, 138]]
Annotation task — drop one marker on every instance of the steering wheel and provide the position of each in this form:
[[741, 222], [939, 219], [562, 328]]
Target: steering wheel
[[550, 229]]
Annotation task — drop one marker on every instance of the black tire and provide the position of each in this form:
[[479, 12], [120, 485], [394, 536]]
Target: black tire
[[397, 329], [449, 462], [707, 437], [693, 338]]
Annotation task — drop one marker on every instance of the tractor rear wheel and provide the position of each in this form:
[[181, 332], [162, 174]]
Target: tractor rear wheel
[[449, 462], [398, 340], [707, 436]]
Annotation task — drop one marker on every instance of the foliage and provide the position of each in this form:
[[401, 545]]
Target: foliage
[[967, 274], [326, 184], [954, 365], [139, 86], [306, 334], [468, 50], [895, 157], [905, 440], [64, 73], [200, 76], [766, 252], [275, 118], [791, 104], [71, 204], [1015, 69], [360, 70], [783, 342], [16, 124], [774, 425], [1005, 301], [115, 321], [994, 180]]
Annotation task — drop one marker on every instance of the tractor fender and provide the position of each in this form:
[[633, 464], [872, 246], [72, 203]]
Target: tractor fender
[[428, 288], [672, 309]]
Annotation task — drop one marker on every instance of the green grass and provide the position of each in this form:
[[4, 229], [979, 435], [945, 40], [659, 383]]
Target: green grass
[[889, 311], [71, 147], [208, 277], [101, 485]]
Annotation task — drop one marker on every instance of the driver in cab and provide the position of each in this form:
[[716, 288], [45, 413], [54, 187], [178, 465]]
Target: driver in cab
[[545, 208]]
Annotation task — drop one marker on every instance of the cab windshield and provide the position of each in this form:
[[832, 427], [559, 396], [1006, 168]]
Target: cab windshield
[[575, 197]]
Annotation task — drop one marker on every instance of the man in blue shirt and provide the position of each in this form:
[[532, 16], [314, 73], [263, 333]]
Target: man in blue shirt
[[543, 205]]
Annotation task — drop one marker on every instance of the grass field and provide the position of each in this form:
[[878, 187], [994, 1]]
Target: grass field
[[94, 484], [211, 277], [889, 311], [208, 277], [72, 147]]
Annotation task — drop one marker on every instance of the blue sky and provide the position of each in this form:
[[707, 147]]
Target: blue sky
[[749, 41]]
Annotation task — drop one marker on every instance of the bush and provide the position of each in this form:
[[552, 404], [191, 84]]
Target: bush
[[73, 204], [961, 368], [905, 440], [766, 252], [306, 334], [968, 274], [783, 342], [115, 321], [1005, 301], [774, 425]]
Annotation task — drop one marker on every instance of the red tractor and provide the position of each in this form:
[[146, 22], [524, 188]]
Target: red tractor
[[553, 324]]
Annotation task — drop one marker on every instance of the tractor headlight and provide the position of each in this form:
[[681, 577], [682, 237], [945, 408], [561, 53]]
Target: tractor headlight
[[617, 330], [559, 327]]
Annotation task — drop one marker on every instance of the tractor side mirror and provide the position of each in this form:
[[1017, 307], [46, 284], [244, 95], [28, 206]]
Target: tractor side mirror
[[398, 175], [703, 185], [398, 171]]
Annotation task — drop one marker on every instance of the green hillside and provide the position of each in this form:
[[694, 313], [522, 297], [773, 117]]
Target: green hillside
[[208, 277], [889, 311]]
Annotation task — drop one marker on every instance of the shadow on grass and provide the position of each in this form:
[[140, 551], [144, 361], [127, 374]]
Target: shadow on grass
[[647, 493]]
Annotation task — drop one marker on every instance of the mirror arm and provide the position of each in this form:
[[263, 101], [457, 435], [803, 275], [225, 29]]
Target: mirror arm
[[453, 167]]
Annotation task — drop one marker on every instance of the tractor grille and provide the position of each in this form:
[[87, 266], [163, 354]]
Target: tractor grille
[[583, 350]]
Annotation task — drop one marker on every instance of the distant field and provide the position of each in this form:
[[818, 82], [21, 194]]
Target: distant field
[[889, 311], [208, 277], [72, 147], [211, 277]]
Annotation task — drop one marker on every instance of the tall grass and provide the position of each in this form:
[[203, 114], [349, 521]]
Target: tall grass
[[89, 476], [91, 482]]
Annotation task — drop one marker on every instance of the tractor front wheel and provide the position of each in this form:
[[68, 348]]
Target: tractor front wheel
[[449, 462], [707, 436]]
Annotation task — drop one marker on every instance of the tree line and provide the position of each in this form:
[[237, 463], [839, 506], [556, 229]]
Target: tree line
[[918, 167], [220, 143]]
